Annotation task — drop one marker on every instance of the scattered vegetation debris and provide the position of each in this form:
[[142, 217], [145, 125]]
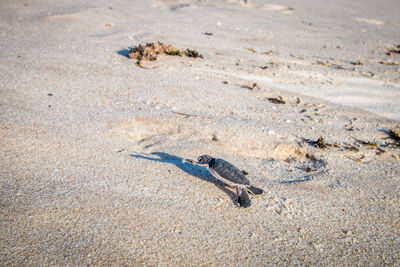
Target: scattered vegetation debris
[[50, 94], [390, 63], [367, 73], [269, 65], [189, 160], [269, 52], [276, 100], [320, 143], [251, 49], [380, 151], [357, 159], [368, 143], [150, 51], [225, 82], [394, 133], [353, 149], [214, 138], [192, 53], [336, 144], [395, 50], [190, 115], [108, 25], [322, 63], [298, 57], [208, 33], [308, 169], [250, 87], [357, 62], [332, 65]]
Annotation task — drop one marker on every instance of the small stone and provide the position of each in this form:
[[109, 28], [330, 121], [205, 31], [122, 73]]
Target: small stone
[[270, 132]]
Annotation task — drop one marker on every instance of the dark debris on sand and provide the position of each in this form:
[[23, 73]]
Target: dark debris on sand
[[395, 134], [150, 51], [320, 143]]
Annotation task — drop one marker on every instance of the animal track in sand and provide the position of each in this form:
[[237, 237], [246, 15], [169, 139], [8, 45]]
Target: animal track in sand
[[147, 133]]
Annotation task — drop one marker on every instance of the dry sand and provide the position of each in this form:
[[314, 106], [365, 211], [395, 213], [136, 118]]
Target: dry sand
[[91, 144]]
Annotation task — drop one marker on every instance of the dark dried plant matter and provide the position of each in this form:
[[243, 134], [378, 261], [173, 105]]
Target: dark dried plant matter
[[276, 100], [395, 50], [150, 51], [250, 87], [395, 133], [320, 143]]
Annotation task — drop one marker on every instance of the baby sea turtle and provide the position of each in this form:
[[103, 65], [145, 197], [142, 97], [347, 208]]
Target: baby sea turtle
[[232, 176]]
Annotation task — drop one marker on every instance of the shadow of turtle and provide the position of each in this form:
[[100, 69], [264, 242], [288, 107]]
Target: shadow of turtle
[[191, 169]]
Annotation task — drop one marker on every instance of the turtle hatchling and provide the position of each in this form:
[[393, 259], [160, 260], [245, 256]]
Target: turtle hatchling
[[232, 176]]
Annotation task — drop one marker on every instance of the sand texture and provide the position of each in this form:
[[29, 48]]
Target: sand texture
[[92, 143]]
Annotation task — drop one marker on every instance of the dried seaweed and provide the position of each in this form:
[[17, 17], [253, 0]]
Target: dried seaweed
[[320, 143], [192, 53], [308, 169], [150, 51], [276, 100], [190, 115], [368, 143], [395, 50], [357, 62], [353, 149], [250, 87], [390, 63], [251, 49], [380, 151], [394, 134]]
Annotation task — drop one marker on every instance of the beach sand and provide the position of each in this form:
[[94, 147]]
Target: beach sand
[[91, 169]]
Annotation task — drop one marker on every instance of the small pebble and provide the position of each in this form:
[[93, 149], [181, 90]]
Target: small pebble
[[270, 132]]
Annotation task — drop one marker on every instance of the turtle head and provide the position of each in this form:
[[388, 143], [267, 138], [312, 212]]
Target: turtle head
[[204, 159]]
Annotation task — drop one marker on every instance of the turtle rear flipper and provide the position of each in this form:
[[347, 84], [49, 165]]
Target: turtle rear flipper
[[243, 198], [255, 190]]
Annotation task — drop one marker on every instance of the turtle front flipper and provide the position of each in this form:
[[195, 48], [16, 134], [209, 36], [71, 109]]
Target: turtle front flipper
[[243, 198]]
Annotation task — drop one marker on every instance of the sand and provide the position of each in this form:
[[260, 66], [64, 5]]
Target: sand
[[91, 169]]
